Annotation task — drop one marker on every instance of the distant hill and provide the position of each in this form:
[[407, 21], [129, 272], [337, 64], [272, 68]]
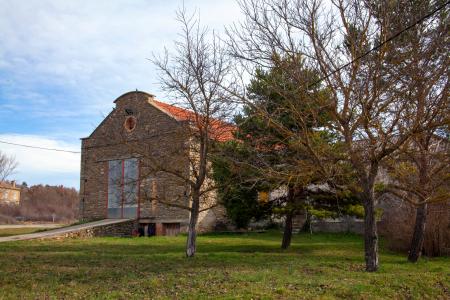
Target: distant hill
[[43, 203]]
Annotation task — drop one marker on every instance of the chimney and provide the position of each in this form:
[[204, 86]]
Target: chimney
[[13, 183]]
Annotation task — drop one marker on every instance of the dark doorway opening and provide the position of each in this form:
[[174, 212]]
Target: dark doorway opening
[[147, 229], [151, 229]]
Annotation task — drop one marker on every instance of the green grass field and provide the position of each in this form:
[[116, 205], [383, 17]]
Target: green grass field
[[16, 231], [248, 266]]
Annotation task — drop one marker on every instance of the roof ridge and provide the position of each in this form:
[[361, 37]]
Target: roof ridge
[[222, 130], [178, 113]]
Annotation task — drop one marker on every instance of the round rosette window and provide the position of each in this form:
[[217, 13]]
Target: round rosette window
[[130, 123]]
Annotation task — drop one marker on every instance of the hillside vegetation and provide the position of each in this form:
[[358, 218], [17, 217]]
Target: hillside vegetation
[[42, 203]]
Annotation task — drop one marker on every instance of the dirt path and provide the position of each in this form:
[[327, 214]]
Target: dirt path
[[59, 231]]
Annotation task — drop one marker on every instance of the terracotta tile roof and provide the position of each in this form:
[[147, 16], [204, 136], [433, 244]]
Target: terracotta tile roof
[[221, 131], [178, 113]]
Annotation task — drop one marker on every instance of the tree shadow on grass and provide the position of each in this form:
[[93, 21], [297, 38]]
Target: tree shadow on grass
[[116, 261], [248, 254], [268, 243], [161, 260], [157, 266]]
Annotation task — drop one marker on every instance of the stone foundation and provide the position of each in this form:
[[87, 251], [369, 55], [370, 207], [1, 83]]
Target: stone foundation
[[124, 229]]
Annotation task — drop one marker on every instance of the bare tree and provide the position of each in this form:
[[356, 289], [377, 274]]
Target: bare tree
[[197, 77], [423, 50], [419, 175], [368, 104], [8, 165]]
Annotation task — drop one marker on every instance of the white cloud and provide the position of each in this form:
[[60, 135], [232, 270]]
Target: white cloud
[[43, 166], [62, 63], [97, 49]]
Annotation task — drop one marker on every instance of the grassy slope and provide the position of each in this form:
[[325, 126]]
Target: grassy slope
[[325, 266], [16, 231]]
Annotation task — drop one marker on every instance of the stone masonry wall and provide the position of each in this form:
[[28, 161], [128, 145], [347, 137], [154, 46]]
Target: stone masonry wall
[[342, 225], [124, 229], [397, 225], [157, 138]]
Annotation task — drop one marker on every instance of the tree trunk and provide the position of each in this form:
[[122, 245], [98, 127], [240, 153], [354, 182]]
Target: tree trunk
[[192, 233], [370, 233], [415, 250], [287, 235], [419, 233]]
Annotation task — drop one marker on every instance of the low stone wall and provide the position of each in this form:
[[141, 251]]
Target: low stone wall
[[397, 226], [338, 225], [124, 229]]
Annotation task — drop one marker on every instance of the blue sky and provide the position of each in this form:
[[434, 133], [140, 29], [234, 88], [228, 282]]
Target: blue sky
[[62, 63]]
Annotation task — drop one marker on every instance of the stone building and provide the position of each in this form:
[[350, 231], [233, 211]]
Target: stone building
[[134, 165], [9, 193]]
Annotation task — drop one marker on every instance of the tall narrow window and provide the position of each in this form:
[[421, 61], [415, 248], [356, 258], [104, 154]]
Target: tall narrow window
[[123, 188], [130, 188], [115, 189]]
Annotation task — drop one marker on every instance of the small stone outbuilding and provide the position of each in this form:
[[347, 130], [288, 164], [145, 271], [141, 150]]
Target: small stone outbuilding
[[133, 166], [9, 193]]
